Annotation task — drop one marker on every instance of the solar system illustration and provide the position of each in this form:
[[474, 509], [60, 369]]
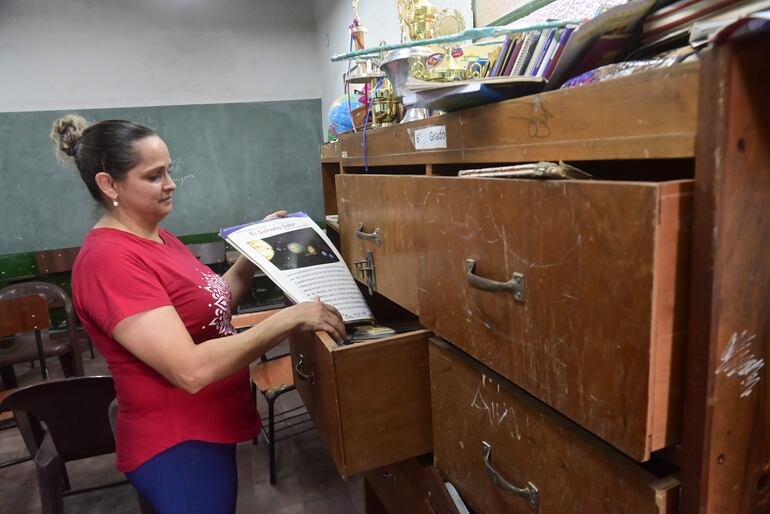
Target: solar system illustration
[[296, 249]]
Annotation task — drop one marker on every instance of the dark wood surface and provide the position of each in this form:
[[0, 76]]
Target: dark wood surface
[[585, 340], [56, 261], [328, 172], [24, 314], [412, 487], [389, 203], [573, 470], [608, 120], [727, 416], [370, 400]]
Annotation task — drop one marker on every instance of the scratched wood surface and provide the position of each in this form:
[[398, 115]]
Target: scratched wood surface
[[384, 400], [369, 400], [384, 202], [727, 416], [319, 394], [585, 340], [610, 120], [412, 486], [573, 470]]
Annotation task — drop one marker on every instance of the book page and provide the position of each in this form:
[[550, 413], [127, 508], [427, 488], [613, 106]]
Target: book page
[[295, 253]]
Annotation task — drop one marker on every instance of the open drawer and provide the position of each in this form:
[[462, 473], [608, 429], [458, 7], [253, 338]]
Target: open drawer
[[370, 400], [575, 291], [505, 451]]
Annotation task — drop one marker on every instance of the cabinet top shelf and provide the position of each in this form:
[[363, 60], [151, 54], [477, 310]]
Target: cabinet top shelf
[[650, 115]]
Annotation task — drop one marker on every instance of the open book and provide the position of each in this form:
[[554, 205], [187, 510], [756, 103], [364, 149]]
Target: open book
[[295, 253]]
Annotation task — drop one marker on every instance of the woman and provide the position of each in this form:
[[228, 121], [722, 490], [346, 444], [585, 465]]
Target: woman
[[162, 321]]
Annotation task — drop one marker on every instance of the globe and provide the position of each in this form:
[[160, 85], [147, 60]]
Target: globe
[[339, 115]]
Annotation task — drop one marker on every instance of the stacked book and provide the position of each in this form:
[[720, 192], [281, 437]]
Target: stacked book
[[530, 54], [676, 20]]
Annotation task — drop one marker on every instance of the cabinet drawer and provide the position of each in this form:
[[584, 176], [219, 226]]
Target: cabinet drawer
[[483, 423], [382, 206], [411, 486], [598, 330], [370, 400]]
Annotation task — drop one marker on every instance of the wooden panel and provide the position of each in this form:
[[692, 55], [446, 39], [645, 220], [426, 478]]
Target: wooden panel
[[56, 261], [387, 203], [727, 416], [588, 252], [609, 120], [370, 400], [384, 397], [320, 394], [573, 470], [24, 314], [411, 487], [328, 172], [330, 152]]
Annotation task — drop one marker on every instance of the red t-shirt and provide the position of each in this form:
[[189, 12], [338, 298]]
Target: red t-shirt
[[118, 274]]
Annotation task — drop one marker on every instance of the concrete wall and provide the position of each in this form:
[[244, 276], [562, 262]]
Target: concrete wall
[[79, 54]]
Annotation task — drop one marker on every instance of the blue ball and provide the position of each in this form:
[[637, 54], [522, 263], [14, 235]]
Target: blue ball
[[339, 115]]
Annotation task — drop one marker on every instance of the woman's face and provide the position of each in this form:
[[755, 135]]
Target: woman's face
[[145, 192]]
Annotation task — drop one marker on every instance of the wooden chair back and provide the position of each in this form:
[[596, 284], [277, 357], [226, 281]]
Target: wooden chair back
[[75, 412], [24, 314], [59, 260]]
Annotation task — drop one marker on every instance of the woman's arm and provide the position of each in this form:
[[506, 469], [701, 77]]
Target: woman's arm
[[159, 338], [240, 274]]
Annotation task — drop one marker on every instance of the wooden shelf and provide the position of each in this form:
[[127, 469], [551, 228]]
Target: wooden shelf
[[333, 226], [608, 120]]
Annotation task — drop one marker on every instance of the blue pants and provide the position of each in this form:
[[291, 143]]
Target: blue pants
[[193, 477]]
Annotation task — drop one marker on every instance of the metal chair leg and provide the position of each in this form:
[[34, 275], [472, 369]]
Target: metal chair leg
[[271, 436]]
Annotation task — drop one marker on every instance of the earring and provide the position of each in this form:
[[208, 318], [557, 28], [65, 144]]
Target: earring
[[115, 202]]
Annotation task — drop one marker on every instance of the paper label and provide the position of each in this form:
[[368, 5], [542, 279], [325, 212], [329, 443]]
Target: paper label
[[429, 138]]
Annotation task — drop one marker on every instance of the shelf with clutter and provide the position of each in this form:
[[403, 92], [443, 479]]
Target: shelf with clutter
[[439, 66]]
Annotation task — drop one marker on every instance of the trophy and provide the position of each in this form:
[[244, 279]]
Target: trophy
[[417, 19], [384, 105], [364, 71], [398, 65]]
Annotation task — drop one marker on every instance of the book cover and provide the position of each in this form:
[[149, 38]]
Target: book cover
[[501, 57], [298, 257], [528, 55], [541, 42], [559, 49], [548, 55], [525, 50], [514, 55]]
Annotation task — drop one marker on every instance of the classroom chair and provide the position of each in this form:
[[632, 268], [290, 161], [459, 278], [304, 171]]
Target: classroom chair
[[26, 347], [22, 314], [61, 260], [75, 414], [272, 377]]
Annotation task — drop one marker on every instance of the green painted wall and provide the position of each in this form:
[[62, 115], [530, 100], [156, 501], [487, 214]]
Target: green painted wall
[[234, 163]]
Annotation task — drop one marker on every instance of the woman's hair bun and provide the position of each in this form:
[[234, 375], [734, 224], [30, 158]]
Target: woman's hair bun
[[66, 132]]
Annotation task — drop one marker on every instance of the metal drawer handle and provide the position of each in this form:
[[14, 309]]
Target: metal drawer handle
[[515, 285], [375, 236], [531, 492], [307, 377]]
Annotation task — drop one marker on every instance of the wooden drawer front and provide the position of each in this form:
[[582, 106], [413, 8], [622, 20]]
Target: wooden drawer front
[[600, 333], [529, 443], [369, 400], [411, 487], [385, 203]]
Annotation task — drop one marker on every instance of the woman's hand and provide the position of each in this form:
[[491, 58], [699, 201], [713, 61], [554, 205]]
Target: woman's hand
[[316, 315], [276, 214]]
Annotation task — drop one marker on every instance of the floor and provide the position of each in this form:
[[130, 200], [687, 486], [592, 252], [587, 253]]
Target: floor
[[307, 481]]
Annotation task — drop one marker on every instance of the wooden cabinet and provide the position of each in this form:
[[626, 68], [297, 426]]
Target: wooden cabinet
[[377, 222], [369, 400], [507, 452], [611, 278], [549, 282]]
